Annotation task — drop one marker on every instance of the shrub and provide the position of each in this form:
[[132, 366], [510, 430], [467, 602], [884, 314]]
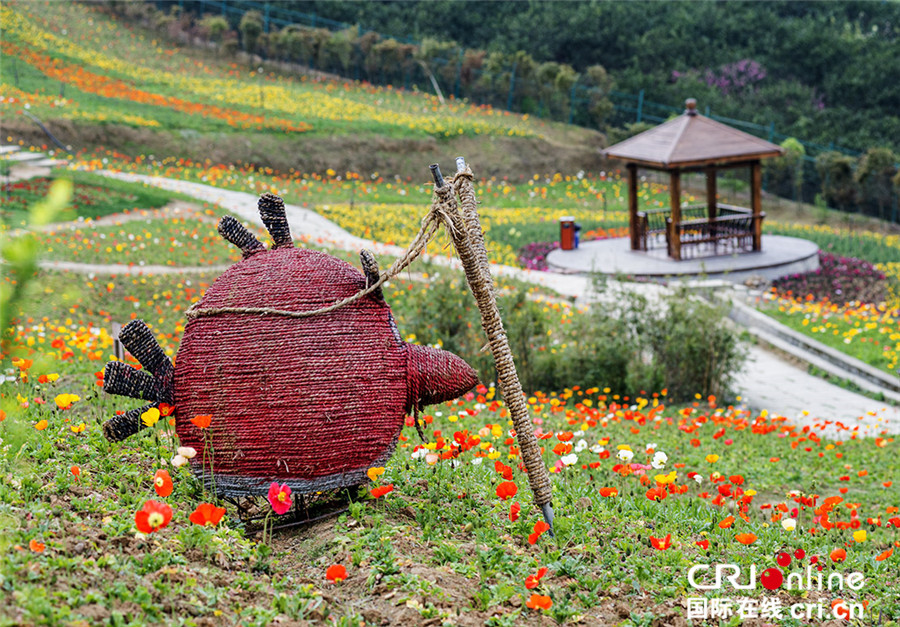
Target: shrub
[[625, 343]]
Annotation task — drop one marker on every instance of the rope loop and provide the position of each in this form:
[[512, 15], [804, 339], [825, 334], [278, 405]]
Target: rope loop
[[437, 215]]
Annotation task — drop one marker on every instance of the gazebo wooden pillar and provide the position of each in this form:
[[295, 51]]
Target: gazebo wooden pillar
[[695, 143]]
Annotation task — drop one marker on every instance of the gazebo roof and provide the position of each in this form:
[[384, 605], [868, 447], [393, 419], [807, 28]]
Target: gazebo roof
[[692, 140]]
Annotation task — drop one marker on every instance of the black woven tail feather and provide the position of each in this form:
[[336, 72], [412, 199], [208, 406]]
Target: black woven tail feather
[[272, 212], [125, 425], [137, 337], [235, 232], [121, 379], [370, 269]]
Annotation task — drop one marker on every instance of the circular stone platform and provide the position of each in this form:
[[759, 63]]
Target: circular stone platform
[[779, 257]]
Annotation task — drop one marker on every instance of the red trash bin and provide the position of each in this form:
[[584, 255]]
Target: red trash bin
[[567, 233]]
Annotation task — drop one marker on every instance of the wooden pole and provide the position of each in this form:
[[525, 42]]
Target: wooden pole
[[675, 190], [633, 207], [711, 208], [756, 203], [464, 227]]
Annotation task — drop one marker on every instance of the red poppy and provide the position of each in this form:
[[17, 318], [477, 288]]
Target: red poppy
[[514, 510], [703, 544], [280, 497], [336, 573], [838, 555], [75, 470], [153, 516], [661, 544], [539, 528], [381, 490], [207, 515], [532, 581], [506, 490], [202, 421], [504, 470], [539, 602], [162, 483], [657, 493]]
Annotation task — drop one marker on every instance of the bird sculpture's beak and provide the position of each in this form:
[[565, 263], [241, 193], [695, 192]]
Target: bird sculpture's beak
[[437, 375]]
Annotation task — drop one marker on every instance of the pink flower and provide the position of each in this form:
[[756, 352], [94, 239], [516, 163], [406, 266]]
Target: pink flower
[[280, 497]]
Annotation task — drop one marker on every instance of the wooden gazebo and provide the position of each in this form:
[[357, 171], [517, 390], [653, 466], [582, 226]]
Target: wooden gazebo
[[695, 143]]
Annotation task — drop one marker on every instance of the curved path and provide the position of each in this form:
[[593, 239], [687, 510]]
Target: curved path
[[766, 382]]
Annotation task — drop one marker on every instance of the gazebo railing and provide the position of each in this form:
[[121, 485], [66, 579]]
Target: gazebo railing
[[703, 237], [652, 224], [652, 229]]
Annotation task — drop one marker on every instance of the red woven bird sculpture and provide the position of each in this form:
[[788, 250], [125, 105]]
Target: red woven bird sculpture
[[310, 401]]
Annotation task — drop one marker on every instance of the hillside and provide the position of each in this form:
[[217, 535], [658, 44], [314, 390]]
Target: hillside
[[822, 71], [97, 82]]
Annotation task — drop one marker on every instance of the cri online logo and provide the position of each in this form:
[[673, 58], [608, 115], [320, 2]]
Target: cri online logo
[[773, 578]]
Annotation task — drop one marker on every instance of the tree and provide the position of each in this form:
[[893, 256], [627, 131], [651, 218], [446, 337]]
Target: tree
[[839, 186], [784, 175], [251, 28], [876, 169], [600, 84], [215, 27]]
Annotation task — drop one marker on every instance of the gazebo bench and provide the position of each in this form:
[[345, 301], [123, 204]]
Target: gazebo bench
[[700, 237]]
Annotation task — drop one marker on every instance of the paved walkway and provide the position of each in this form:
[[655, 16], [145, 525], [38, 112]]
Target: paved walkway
[[767, 382]]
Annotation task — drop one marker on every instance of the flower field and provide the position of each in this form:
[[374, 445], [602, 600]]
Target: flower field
[[46, 45], [868, 332], [447, 529], [645, 489]]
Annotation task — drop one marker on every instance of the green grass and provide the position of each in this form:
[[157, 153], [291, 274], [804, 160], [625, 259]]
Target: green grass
[[441, 544], [94, 196], [169, 241], [866, 333]]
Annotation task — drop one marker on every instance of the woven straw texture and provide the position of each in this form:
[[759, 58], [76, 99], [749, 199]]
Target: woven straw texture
[[312, 402]]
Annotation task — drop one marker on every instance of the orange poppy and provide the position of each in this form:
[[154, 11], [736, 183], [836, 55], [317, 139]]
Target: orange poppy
[[381, 490], [539, 602], [539, 528], [838, 555], [725, 524], [162, 483], [514, 511], [153, 516], [657, 494], [884, 555], [202, 421], [207, 515], [609, 492], [336, 573], [506, 490], [532, 581], [745, 538], [37, 547]]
